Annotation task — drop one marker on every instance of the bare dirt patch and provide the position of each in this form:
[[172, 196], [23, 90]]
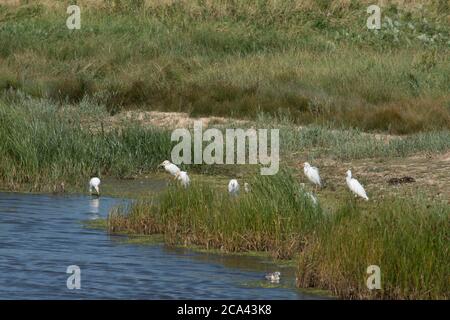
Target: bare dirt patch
[[168, 120], [430, 172]]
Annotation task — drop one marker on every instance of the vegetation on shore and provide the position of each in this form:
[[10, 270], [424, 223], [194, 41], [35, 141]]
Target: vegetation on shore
[[272, 217], [278, 64], [43, 145], [315, 59], [347, 144], [407, 238]]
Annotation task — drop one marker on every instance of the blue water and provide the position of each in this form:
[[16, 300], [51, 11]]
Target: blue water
[[41, 235]]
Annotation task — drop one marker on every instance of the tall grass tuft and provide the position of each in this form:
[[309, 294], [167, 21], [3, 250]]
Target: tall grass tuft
[[407, 239], [42, 145], [273, 217]]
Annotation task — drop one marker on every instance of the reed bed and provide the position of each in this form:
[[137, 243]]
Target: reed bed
[[267, 219], [407, 238], [42, 146], [44, 143]]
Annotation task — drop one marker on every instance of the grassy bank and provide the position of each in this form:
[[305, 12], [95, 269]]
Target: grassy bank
[[43, 145], [278, 64], [408, 239], [315, 59], [267, 219], [319, 141]]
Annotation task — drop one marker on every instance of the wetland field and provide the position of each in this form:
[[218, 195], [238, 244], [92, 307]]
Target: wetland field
[[103, 101]]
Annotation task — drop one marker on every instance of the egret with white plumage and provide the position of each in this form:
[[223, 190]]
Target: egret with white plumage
[[312, 197], [170, 168], [183, 177], [355, 186], [94, 184], [233, 187], [312, 173], [273, 277]]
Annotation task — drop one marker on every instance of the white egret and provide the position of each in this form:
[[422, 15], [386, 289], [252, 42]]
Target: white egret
[[183, 177], [94, 183], [273, 276], [312, 173], [233, 187], [309, 194], [355, 186], [312, 197], [170, 167]]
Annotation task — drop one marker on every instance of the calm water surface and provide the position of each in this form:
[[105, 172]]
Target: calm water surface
[[41, 235]]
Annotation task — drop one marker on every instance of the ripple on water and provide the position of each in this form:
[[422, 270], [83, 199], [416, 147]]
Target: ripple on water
[[41, 235]]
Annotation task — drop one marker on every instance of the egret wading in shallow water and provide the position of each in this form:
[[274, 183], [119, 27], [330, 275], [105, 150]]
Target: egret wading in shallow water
[[355, 186], [233, 187], [183, 177], [273, 276], [94, 183], [170, 168], [312, 173]]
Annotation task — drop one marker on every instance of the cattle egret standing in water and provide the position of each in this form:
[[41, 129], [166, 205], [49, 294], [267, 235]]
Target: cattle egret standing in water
[[273, 277], [94, 183], [355, 186], [312, 173], [170, 167], [233, 187], [183, 177]]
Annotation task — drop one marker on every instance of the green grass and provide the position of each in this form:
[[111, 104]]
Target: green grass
[[315, 60], [407, 238], [279, 63], [347, 144], [43, 145], [267, 219]]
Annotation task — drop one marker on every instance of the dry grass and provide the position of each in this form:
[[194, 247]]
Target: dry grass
[[237, 59]]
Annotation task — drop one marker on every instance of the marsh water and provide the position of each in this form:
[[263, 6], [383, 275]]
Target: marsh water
[[41, 235]]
